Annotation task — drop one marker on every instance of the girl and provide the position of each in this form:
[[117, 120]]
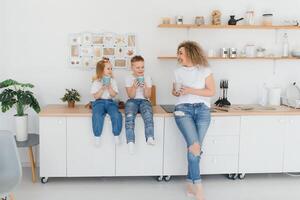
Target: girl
[[104, 88], [193, 86]]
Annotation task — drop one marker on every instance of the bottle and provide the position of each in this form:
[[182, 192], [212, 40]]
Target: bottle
[[264, 95], [285, 47]]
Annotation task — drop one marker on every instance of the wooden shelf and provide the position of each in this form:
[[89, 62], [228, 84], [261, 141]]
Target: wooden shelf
[[238, 58], [227, 26]]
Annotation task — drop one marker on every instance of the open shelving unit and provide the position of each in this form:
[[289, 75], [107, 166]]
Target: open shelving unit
[[193, 26], [258, 27], [237, 58]]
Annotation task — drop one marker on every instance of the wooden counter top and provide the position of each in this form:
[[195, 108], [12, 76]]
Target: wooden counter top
[[81, 111], [235, 110]]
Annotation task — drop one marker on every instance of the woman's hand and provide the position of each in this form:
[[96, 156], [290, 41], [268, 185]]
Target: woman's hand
[[186, 90]]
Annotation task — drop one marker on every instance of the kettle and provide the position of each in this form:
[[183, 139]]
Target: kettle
[[233, 21]]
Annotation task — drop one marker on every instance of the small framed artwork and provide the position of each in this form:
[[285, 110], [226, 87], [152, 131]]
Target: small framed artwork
[[97, 39], [120, 63], [86, 38], [108, 51], [121, 40], [87, 62], [120, 51], [75, 61], [74, 50], [98, 51], [86, 51], [131, 40], [130, 51], [109, 39], [75, 39]]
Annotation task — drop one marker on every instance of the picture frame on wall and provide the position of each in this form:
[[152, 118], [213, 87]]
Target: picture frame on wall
[[86, 38], [75, 61], [98, 51], [75, 39], [108, 51], [87, 48], [121, 41], [97, 39], [109, 39], [120, 63]]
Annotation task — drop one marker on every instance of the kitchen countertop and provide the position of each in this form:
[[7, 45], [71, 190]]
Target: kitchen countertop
[[57, 110]]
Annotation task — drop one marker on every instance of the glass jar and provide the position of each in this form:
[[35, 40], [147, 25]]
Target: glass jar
[[267, 19]]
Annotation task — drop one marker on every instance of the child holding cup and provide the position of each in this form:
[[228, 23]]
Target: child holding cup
[[104, 88], [138, 88]]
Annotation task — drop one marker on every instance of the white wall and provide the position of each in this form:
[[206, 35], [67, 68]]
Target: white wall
[[35, 45]]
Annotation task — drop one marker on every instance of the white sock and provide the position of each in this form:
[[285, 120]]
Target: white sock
[[117, 140], [97, 141], [131, 148], [150, 141]]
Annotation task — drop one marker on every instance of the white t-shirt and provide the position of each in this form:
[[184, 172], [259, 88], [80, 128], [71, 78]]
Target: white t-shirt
[[97, 84], [193, 77], [139, 91]]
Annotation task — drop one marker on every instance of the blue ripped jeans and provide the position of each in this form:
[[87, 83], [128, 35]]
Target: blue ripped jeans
[[132, 107], [99, 108], [193, 121]]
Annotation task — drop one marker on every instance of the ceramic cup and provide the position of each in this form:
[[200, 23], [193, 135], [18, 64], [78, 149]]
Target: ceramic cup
[[106, 80], [140, 79], [177, 86]]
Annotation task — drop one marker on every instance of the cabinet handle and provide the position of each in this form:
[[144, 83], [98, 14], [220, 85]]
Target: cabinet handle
[[60, 122], [281, 121], [214, 142], [214, 160]]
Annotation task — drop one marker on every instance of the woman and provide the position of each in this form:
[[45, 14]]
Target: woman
[[194, 84]]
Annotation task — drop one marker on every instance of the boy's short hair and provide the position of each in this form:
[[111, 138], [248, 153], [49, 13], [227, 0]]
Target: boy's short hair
[[137, 59]]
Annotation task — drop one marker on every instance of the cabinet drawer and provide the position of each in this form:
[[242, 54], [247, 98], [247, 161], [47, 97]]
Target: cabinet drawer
[[219, 164], [224, 126], [221, 145]]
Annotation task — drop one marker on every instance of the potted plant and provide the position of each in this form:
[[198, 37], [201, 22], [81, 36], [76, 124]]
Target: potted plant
[[71, 96], [17, 95]]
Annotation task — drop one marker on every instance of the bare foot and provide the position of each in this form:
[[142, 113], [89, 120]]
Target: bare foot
[[190, 190], [199, 192]]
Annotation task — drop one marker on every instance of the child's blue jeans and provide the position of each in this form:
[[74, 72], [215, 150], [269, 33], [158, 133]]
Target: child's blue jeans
[[132, 107], [102, 106]]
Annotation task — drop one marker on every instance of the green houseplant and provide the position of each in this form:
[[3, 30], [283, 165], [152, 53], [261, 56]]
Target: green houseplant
[[18, 95], [71, 96]]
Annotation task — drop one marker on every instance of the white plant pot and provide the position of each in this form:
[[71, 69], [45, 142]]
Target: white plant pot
[[21, 128]]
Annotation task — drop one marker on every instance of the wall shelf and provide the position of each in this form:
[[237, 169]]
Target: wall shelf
[[238, 58], [193, 26]]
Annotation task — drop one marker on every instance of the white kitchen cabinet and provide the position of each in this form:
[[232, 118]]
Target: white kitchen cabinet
[[292, 145], [220, 147], [261, 144], [53, 151], [84, 157], [147, 160]]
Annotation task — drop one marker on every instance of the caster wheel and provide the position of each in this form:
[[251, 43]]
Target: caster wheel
[[159, 178], [242, 176], [44, 180], [167, 178], [232, 176]]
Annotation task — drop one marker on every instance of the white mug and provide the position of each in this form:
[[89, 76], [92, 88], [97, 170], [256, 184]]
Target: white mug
[[177, 86]]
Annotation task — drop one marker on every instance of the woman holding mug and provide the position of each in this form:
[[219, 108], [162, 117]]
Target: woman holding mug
[[194, 85]]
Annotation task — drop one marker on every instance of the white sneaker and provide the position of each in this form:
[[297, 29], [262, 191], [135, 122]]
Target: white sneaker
[[150, 141], [97, 141], [117, 140], [131, 148]]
